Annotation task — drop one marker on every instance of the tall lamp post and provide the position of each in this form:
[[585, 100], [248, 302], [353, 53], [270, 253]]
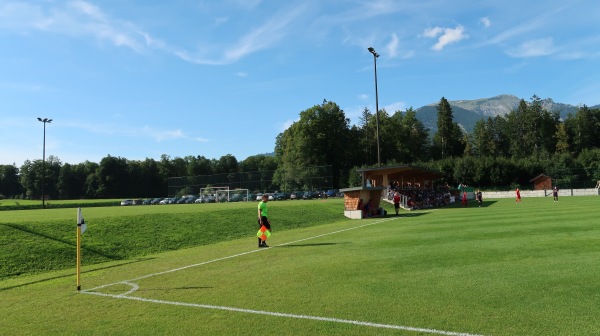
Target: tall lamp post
[[375, 55], [45, 121]]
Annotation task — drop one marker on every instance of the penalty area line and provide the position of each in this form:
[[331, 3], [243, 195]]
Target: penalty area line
[[276, 314]]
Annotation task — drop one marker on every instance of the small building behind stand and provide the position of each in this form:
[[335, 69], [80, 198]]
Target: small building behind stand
[[542, 182]]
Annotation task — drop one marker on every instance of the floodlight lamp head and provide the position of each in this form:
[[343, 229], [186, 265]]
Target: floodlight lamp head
[[372, 51], [40, 119]]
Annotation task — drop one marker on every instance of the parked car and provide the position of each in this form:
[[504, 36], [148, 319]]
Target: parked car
[[281, 196], [138, 202], [147, 201], [259, 196], [310, 195], [127, 202], [296, 195], [156, 201], [331, 193], [236, 197], [209, 199], [199, 200]]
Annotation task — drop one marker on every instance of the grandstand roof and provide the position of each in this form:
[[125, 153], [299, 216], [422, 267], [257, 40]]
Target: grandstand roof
[[404, 171]]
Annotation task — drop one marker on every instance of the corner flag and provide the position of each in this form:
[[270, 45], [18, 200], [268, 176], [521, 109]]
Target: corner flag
[[263, 233], [80, 229], [81, 221]]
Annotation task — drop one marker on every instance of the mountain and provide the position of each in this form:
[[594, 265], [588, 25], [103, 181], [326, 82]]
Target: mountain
[[468, 112]]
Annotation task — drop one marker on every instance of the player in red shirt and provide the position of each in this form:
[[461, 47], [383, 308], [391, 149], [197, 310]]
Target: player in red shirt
[[396, 202]]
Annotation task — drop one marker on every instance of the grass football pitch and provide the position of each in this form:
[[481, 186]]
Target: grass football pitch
[[502, 269]]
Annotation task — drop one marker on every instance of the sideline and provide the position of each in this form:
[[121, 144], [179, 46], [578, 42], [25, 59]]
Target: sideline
[[306, 317]]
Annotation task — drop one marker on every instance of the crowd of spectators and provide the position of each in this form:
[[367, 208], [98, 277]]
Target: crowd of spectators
[[414, 197]]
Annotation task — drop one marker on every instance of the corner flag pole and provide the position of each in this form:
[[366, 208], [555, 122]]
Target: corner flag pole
[[80, 229]]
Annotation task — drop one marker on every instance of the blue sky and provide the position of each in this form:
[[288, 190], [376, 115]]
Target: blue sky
[[141, 78]]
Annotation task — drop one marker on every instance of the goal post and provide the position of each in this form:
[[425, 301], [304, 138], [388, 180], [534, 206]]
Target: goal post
[[233, 195]]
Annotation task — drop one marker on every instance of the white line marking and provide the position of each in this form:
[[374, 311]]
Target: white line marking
[[135, 287], [306, 317]]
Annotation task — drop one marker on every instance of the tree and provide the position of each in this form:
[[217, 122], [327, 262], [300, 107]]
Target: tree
[[198, 165], [449, 137], [368, 136], [562, 139], [410, 138], [113, 177], [9, 181], [319, 138]]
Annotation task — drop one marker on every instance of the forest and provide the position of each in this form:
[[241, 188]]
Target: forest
[[503, 152]]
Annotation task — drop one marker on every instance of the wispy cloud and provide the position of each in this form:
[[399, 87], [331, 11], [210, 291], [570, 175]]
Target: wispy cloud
[[363, 96], [445, 36], [485, 21], [533, 48], [79, 18], [145, 132], [73, 18], [264, 36], [392, 46], [396, 106]]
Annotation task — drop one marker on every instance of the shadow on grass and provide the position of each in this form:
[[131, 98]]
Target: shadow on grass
[[71, 275], [66, 242], [472, 204], [312, 244]]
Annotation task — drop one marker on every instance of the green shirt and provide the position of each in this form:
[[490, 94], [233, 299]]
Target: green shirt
[[262, 206]]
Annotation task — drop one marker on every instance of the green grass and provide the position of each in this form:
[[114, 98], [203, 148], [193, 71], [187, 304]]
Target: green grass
[[504, 269]]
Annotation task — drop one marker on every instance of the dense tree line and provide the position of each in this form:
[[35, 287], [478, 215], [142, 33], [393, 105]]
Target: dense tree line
[[501, 151]]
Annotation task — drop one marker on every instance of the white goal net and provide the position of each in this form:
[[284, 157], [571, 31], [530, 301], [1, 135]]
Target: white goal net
[[233, 195]]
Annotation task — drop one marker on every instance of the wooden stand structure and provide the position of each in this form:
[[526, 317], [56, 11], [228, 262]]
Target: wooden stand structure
[[376, 181]]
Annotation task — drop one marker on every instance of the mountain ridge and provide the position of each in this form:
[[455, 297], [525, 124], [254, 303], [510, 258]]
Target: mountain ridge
[[467, 112]]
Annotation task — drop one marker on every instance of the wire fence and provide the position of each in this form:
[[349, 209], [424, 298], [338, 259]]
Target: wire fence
[[267, 181]]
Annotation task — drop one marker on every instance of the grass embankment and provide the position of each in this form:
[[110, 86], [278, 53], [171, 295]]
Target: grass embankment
[[36, 241], [14, 204]]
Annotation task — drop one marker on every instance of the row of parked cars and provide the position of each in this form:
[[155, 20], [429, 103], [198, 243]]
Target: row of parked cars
[[188, 199], [277, 196], [298, 195]]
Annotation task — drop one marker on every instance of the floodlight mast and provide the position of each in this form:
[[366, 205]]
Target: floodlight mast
[[45, 121], [375, 56]]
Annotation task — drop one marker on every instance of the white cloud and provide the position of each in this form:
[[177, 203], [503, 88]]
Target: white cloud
[[287, 124], [396, 106], [433, 32], [446, 36], [242, 74], [363, 96], [485, 21], [392, 47], [533, 48]]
